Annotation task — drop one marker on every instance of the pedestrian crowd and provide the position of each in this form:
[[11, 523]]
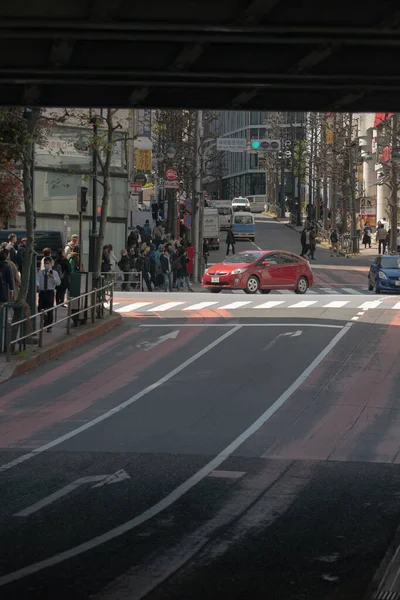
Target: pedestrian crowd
[[161, 259]]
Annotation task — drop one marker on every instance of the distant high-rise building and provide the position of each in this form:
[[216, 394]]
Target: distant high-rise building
[[240, 173]]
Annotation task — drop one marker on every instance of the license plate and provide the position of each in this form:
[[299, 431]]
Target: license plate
[[214, 279]]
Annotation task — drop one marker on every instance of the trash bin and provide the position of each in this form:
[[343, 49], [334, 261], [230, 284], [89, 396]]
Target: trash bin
[[81, 283]]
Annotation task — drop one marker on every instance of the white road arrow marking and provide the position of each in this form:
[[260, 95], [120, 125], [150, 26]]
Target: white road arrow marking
[[103, 479], [149, 345], [287, 334]]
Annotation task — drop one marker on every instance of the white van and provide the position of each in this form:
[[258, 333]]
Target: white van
[[240, 204], [225, 214]]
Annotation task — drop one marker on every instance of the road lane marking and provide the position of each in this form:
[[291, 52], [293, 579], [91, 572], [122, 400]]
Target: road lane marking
[[336, 304], [270, 304], [98, 480], [396, 306], [192, 481], [258, 247], [227, 474], [132, 307], [116, 409], [166, 306], [303, 304], [329, 290], [370, 304], [146, 346], [233, 305], [351, 291], [242, 325], [199, 306], [355, 318]]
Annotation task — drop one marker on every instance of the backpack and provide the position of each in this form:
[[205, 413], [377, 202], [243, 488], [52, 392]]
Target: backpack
[[139, 263]]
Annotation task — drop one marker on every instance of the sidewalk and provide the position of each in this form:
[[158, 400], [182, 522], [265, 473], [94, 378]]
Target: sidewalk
[[373, 251], [55, 343]]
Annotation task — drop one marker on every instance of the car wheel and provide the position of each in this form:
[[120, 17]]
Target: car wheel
[[252, 285], [370, 286], [265, 291], [302, 285], [215, 291]]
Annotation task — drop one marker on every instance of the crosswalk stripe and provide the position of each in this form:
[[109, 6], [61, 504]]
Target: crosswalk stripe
[[336, 304], [270, 304], [166, 306], [370, 304], [303, 304], [132, 307], [351, 291], [396, 306], [329, 290], [199, 306], [233, 305]]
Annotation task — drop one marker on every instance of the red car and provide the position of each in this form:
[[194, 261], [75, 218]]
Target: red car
[[263, 271]]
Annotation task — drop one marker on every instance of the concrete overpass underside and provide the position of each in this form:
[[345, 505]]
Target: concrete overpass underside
[[212, 54]]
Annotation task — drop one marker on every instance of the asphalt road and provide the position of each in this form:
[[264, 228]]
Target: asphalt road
[[329, 272], [211, 457]]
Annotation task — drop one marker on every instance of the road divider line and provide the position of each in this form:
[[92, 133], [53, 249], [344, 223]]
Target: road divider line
[[187, 485]]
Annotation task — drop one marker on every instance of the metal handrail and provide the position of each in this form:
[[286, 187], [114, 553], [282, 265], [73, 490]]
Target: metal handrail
[[98, 302]]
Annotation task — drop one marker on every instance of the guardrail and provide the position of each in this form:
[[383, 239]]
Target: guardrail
[[94, 307], [124, 281]]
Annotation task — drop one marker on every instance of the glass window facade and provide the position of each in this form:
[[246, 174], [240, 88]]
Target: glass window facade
[[243, 176]]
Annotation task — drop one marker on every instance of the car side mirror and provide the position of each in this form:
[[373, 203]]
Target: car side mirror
[[265, 263]]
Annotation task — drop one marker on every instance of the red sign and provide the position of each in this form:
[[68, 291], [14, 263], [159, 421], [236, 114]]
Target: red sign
[[171, 174]]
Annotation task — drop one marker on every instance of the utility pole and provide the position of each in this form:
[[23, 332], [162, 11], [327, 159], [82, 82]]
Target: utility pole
[[198, 225], [93, 233], [353, 151], [394, 184], [334, 174]]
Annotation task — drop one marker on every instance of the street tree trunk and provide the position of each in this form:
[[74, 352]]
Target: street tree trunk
[[106, 171], [27, 158]]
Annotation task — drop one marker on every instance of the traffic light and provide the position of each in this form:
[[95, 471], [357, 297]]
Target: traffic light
[[34, 219], [266, 145]]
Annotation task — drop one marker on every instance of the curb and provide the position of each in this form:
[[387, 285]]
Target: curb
[[60, 347]]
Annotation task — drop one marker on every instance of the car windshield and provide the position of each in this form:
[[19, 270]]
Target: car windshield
[[247, 257], [390, 262], [244, 220]]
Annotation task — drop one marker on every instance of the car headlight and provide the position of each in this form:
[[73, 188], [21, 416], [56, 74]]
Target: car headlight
[[237, 271], [382, 275], [205, 272]]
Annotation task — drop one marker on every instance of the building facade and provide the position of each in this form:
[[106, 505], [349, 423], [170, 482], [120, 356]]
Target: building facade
[[242, 173], [63, 164]]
